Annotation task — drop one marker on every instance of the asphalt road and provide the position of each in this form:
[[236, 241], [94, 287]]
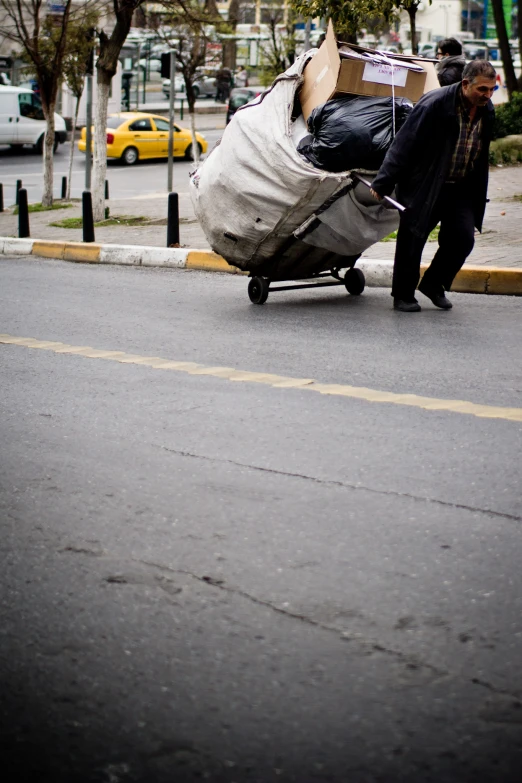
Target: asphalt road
[[216, 579], [124, 181]]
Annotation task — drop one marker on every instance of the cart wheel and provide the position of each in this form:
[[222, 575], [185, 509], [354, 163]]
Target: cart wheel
[[258, 290], [354, 281]]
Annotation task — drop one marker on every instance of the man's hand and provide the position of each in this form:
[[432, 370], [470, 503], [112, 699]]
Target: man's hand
[[375, 194]]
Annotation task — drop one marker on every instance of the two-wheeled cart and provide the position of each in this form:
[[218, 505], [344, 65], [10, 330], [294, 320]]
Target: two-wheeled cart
[[297, 260]]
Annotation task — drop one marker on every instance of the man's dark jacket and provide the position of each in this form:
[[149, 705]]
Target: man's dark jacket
[[449, 70], [419, 158]]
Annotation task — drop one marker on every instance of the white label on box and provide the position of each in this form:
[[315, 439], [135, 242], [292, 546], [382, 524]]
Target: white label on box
[[385, 74], [319, 78]]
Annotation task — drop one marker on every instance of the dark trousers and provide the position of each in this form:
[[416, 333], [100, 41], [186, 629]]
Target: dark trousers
[[454, 210]]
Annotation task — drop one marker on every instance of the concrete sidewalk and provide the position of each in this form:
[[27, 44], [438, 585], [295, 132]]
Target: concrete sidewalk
[[500, 243]]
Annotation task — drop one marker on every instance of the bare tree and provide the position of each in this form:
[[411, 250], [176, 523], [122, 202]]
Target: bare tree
[[279, 51], [519, 32], [505, 49], [411, 7], [42, 38], [77, 62], [106, 67], [194, 25], [229, 46]]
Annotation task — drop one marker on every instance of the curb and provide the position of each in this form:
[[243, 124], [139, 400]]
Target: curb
[[378, 273]]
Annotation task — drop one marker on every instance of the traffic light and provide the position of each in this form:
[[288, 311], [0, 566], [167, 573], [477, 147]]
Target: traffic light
[[165, 65]]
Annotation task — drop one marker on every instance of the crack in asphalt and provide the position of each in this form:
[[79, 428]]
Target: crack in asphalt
[[409, 661], [343, 484]]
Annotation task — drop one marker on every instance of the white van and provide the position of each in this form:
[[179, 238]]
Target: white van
[[22, 119]]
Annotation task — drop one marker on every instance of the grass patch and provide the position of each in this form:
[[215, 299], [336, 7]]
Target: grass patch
[[39, 208], [434, 235], [517, 197], [77, 222]]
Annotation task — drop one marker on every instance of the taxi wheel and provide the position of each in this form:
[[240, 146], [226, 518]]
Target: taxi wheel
[[189, 154], [130, 156]]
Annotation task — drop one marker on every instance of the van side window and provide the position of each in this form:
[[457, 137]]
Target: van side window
[[30, 106]]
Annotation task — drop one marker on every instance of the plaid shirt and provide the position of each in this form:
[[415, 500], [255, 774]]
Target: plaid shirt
[[469, 142]]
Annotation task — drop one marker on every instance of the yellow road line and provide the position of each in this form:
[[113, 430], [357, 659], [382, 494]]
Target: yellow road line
[[276, 381]]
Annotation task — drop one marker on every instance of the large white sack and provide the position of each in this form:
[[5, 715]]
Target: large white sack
[[353, 223], [255, 189]]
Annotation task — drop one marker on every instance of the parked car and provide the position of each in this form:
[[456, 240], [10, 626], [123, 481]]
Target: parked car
[[179, 85], [22, 119], [133, 136], [240, 96], [204, 86], [152, 64]]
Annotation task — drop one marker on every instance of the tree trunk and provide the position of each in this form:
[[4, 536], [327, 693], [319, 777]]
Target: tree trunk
[[230, 47], [99, 169], [505, 51], [48, 160], [71, 156], [195, 147], [412, 13], [519, 25]]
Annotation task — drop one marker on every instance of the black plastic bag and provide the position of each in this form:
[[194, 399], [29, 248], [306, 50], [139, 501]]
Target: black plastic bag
[[352, 131]]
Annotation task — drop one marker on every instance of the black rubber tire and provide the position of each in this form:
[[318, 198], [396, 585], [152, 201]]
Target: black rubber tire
[[354, 281], [195, 90], [258, 288], [188, 152], [130, 156]]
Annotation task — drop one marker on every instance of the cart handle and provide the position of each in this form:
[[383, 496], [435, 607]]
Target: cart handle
[[386, 198]]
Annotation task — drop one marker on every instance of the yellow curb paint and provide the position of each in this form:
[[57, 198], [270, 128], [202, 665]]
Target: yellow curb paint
[[79, 251], [48, 249], [472, 280], [277, 381], [505, 281], [210, 262]]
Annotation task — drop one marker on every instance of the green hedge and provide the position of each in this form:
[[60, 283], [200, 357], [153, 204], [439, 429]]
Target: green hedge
[[508, 117], [506, 151]]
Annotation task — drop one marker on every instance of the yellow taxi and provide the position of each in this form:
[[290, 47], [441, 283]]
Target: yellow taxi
[[133, 136]]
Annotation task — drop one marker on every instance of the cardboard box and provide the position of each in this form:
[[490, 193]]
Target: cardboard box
[[336, 69]]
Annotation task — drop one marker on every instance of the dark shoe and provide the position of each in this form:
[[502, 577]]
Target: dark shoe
[[404, 306], [439, 300]]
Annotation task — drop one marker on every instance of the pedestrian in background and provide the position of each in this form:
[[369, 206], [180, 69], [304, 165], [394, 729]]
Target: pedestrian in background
[[224, 83], [439, 163], [452, 62], [241, 79]]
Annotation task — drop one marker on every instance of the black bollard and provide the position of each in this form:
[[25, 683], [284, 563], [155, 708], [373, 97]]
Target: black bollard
[[87, 218], [23, 214], [64, 187], [106, 188], [1, 197], [18, 186], [173, 221]]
